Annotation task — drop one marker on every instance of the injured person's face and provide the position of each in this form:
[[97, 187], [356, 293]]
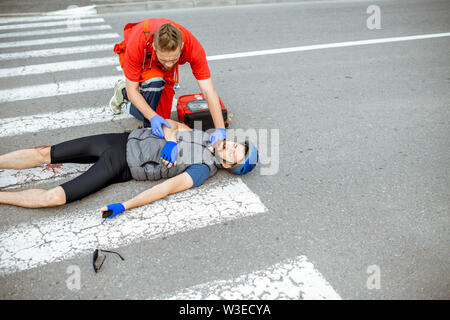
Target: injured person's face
[[231, 152]]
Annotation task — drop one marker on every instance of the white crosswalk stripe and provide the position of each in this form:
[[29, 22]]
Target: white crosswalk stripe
[[30, 245], [62, 16], [53, 121], [31, 26], [38, 243], [55, 52], [58, 89], [47, 41], [75, 11], [57, 67], [292, 279], [35, 33]]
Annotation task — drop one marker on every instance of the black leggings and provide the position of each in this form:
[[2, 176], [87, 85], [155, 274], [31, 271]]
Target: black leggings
[[106, 151]]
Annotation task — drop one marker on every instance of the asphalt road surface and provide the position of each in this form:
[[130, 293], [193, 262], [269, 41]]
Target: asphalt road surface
[[350, 200]]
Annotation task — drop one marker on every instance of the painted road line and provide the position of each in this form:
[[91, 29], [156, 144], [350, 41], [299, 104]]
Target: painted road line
[[57, 89], [42, 18], [66, 119], [17, 178], [31, 26], [291, 279], [29, 245], [83, 49], [58, 120], [325, 46], [75, 10], [32, 92], [53, 31], [47, 41], [58, 66], [56, 52]]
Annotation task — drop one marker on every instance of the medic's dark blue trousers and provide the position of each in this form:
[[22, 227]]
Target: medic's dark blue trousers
[[151, 90], [108, 154]]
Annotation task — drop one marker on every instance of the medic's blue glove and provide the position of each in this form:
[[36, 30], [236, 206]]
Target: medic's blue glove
[[116, 208], [218, 134], [157, 121], [169, 152]]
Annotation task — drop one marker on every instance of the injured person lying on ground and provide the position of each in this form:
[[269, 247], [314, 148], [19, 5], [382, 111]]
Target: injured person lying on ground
[[184, 156]]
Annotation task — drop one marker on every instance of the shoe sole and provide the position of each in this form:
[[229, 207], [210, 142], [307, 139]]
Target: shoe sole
[[111, 107], [113, 98]]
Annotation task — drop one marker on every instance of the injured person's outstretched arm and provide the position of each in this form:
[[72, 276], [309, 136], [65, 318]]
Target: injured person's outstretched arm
[[175, 184]]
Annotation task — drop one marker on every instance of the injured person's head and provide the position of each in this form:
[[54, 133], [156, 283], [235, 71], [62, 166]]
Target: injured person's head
[[237, 158]]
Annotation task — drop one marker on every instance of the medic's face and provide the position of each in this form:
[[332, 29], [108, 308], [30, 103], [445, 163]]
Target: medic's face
[[168, 59], [231, 152]]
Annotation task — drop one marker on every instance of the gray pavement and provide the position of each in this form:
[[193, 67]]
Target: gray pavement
[[364, 154]]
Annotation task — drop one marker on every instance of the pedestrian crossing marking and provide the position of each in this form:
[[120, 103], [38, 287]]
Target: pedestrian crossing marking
[[34, 33], [58, 67], [31, 26], [47, 41], [49, 240], [56, 52], [30, 245], [58, 120], [58, 88], [292, 279]]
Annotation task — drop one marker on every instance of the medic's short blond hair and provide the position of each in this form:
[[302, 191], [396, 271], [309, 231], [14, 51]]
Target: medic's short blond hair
[[168, 38]]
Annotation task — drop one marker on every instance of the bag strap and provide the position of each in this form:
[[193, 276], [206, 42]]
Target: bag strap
[[147, 30], [147, 38]]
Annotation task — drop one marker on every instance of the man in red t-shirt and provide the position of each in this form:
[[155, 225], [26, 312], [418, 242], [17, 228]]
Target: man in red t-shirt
[[150, 55]]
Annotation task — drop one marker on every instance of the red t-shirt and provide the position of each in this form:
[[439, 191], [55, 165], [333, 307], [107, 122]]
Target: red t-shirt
[[192, 52]]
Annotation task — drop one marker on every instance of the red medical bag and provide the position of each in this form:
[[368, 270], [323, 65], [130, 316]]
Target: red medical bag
[[193, 107]]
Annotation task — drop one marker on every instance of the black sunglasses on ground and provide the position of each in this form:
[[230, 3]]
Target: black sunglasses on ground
[[96, 265]]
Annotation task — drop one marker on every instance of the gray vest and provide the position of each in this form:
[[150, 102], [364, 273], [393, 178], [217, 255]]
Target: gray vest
[[144, 150]]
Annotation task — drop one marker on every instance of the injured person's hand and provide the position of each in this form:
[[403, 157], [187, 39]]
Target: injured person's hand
[[169, 154]]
